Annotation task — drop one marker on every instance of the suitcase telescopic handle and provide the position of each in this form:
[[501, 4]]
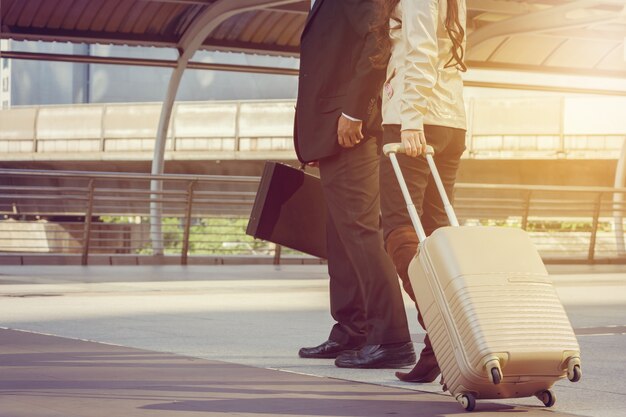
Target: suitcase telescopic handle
[[391, 149], [399, 148]]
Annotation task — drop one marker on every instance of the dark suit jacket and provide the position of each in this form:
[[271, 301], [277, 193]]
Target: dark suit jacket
[[336, 75]]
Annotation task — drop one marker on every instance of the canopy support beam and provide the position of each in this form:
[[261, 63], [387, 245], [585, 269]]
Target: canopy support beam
[[192, 40]]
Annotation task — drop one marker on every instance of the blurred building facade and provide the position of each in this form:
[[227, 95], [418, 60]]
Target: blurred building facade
[[76, 115], [32, 83]]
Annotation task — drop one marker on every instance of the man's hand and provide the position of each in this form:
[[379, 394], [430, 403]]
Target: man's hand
[[349, 132], [414, 142]]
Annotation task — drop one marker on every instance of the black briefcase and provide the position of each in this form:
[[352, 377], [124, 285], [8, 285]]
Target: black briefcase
[[289, 210]]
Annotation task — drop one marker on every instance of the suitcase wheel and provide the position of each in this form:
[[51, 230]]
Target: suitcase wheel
[[574, 374], [547, 397], [496, 375], [468, 401], [494, 371]]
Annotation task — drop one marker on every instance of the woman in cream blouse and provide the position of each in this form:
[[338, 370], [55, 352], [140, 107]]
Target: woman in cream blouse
[[424, 42]]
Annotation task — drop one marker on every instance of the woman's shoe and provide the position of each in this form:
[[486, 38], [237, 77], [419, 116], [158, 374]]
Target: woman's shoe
[[426, 370]]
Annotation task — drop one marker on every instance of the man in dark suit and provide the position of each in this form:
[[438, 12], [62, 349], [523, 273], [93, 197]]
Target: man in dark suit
[[337, 125]]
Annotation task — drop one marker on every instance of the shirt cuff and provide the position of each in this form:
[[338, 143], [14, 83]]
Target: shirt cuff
[[354, 119]]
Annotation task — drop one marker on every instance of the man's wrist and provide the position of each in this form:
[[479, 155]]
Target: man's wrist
[[354, 119]]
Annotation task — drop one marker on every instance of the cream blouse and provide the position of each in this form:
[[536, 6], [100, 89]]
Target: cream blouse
[[419, 90]]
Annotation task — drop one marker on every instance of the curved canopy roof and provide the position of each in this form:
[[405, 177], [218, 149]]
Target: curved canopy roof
[[564, 36], [263, 28]]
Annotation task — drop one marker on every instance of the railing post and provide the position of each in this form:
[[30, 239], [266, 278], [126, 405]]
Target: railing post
[[36, 131], [103, 114], [469, 135], [277, 251], [619, 209], [237, 126], [526, 210], [173, 126], [618, 202], [594, 228], [87, 229], [156, 217], [189, 208], [561, 151]]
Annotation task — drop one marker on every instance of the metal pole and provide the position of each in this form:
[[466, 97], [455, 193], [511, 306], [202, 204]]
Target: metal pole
[[102, 130], [619, 202], [237, 126], [190, 189], [36, 130], [277, 252], [158, 160], [214, 15], [526, 210], [91, 59], [469, 134], [561, 152], [594, 228], [87, 229]]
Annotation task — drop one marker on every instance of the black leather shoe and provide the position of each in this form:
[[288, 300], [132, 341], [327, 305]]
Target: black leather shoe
[[328, 349], [426, 370], [396, 355]]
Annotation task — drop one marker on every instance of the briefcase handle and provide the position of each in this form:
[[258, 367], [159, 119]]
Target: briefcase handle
[[390, 150], [305, 164]]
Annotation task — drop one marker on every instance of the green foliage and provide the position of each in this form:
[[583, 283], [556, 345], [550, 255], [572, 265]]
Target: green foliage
[[210, 236], [546, 225], [567, 226], [117, 219], [207, 236], [226, 235]]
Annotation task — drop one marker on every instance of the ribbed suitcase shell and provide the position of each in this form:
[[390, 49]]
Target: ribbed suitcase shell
[[487, 300]]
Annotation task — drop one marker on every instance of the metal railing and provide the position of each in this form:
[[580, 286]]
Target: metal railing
[[86, 215]]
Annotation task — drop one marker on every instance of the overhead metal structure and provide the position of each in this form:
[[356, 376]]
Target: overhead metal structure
[[186, 25], [259, 28], [584, 37], [192, 40], [564, 36]]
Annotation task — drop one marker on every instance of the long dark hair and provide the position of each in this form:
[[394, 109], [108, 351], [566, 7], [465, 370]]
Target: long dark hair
[[454, 28]]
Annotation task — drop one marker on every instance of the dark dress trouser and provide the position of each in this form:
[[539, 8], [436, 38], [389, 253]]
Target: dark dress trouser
[[365, 295]]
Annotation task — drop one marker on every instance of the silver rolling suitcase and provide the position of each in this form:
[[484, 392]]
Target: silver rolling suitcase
[[497, 326]]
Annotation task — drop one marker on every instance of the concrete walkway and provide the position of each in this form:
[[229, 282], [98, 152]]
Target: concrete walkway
[[243, 326], [57, 377]]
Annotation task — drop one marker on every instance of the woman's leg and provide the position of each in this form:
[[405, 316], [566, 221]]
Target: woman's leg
[[401, 245], [401, 241], [447, 159]]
